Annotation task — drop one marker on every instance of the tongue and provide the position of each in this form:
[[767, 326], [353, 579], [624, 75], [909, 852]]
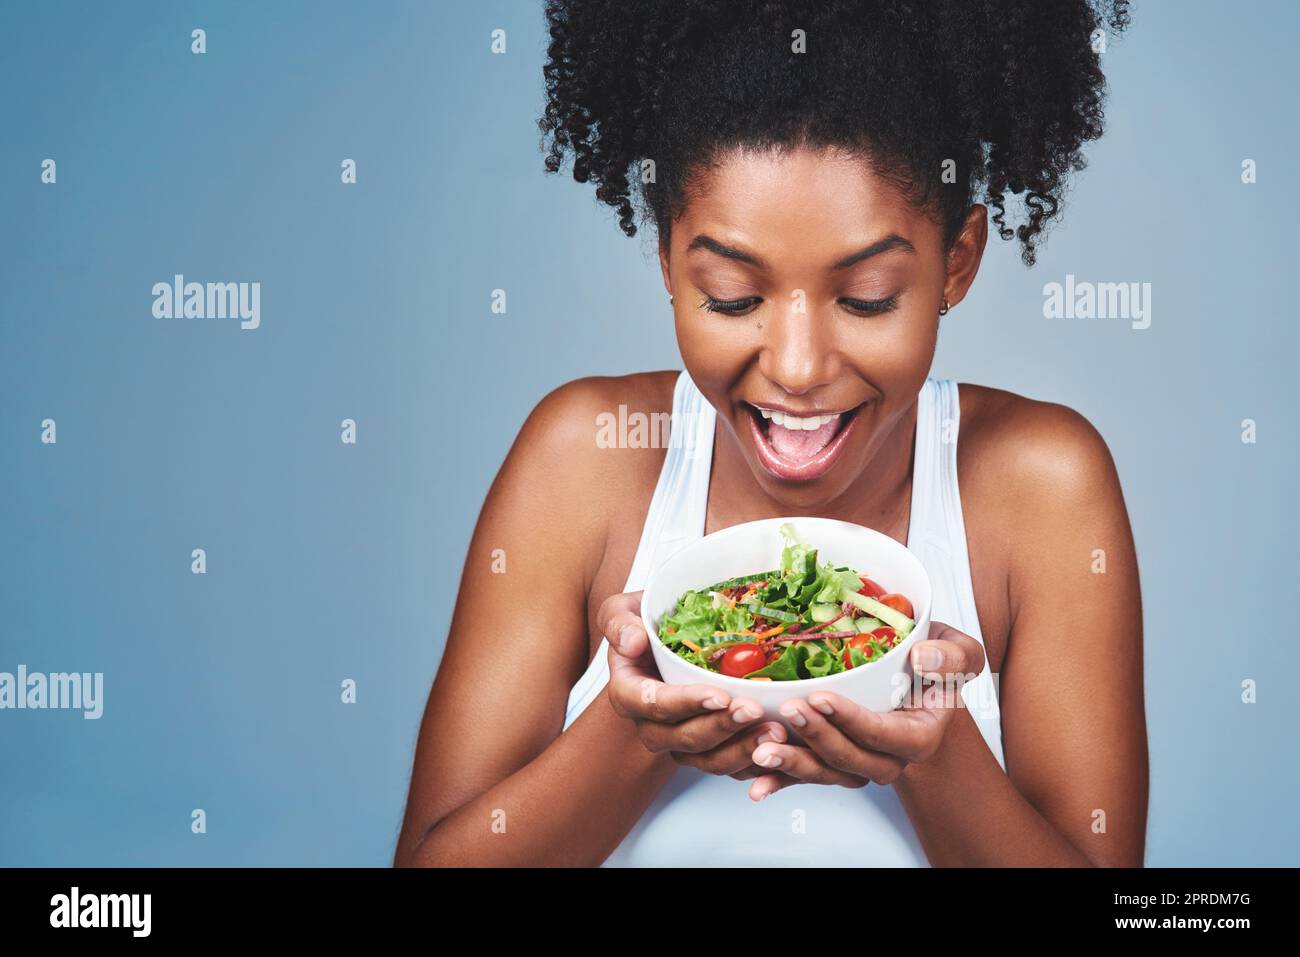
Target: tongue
[[798, 445]]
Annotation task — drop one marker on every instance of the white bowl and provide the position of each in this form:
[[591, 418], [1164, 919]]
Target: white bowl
[[756, 547]]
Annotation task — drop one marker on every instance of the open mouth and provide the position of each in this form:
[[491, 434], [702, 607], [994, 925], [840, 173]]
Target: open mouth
[[800, 448]]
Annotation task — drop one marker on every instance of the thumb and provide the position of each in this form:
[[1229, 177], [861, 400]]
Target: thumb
[[622, 627]]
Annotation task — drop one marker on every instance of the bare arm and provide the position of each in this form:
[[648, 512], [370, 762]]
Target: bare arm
[[569, 806], [1074, 731], [494, 781], [1074, 728]]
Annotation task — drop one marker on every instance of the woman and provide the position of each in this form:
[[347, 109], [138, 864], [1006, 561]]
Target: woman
[[812, 172]]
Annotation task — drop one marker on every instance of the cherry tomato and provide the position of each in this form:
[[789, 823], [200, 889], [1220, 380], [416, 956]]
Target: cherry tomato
[[859, 642], [885, 635], [898, 603], [870, 588], [740, 660]]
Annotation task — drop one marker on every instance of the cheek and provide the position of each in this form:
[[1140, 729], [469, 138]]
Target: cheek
[[895, 353], [712, 348]]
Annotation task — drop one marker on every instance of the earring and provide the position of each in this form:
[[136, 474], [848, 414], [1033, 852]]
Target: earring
[[943, 310], [670, 299]]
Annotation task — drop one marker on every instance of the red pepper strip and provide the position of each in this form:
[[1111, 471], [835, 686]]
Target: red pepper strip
[[827, 624], [812, 635]]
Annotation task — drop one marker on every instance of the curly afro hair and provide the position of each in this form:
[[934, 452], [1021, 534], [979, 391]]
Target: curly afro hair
[[1007, 90]]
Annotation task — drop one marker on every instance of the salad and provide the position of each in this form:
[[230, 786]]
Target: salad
[[802, 620]]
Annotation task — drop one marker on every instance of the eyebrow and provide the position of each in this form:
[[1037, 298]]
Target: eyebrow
[[890, 242], [730, 252]]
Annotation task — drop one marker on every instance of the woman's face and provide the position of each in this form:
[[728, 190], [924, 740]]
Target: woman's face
[[807, 293]]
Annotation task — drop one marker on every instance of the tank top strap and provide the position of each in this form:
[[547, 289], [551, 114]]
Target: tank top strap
[[925, 468], [937, 535], [675, 518], [680, 502], [938, 527]]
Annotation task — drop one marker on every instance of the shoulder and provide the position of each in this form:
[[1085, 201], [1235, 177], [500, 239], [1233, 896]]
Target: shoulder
[[1023, 451], [1041, 498], [575, 406], [560, 491], [571, 423], [565, 452]]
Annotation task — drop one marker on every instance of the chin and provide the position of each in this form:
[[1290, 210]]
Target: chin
[[802, 498]]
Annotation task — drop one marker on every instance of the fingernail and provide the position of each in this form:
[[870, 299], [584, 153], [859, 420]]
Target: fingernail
[[776, 733], [769, 760], [822, 705], [744, 713], [714, 704], [626, 634], [928, 659], [795, 715]]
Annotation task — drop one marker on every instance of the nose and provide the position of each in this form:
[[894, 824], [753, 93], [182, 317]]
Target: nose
[[800, 353]]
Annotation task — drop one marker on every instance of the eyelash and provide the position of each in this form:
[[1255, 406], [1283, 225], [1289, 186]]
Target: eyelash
[[730, 307], [739, 307], [869, 307]]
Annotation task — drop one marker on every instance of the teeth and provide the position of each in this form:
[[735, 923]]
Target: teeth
[[794, 422]]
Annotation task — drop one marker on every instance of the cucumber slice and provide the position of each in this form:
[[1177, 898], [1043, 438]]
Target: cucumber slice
[[824, 613], [865, 625], [744, 580], [894, 619], [774, 613]]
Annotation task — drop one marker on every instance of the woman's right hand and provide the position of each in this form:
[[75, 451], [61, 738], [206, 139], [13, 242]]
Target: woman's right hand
[[698, 725]]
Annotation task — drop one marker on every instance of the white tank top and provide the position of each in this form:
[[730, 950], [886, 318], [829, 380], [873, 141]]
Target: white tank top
[[700, 819]]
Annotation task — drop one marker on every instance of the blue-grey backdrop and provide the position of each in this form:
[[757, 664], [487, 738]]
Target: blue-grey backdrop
[[328, 561]]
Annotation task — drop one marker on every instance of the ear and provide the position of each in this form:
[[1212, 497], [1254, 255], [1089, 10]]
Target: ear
[[964, 257]]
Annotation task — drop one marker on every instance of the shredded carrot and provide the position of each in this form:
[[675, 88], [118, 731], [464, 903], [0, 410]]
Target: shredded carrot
[[770, 632], [672, 630], [739, 634], [691, 645]]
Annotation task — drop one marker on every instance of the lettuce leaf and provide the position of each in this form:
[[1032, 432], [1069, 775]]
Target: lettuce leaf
[[819, 662], [734, 619], [785, 668], [833, 583], [694, 618], [798, 562]]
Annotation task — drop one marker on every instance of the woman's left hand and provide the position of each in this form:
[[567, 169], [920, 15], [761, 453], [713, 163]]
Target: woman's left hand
[[851, 746]]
